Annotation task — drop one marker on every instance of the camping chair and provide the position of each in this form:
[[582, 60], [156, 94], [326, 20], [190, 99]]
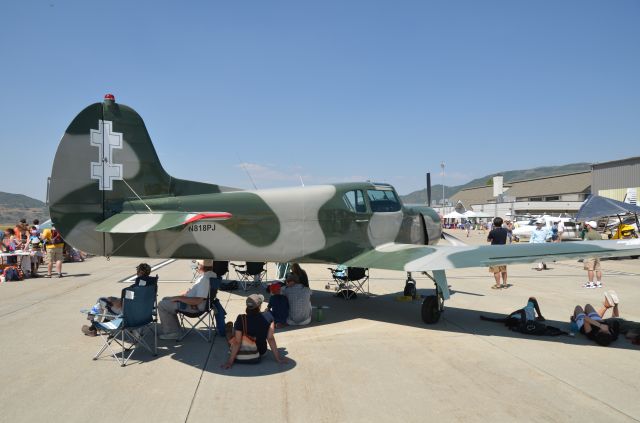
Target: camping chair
[[282, 270], [221, 268], [349, 281], [250, 274], [206, 316], [130, 327]]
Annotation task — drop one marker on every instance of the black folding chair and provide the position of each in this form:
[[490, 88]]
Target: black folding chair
[[250, 274], [350, 281], [206, 316]]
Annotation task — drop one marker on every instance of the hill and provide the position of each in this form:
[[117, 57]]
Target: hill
[[420, 197], [14, 207]]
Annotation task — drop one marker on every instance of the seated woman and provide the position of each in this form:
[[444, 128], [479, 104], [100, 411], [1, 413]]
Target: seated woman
[[299, 298], [302, 275], [258, 327], [113, 305], [590, 323]]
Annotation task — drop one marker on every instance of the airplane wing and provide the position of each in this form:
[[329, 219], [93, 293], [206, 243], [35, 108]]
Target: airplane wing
[[416, 258], [132, 223]]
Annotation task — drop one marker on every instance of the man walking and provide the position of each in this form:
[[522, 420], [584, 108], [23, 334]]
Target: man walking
[[538, 236], [592, 264], [498, 236]]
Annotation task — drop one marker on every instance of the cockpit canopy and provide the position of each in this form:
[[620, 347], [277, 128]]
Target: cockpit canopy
[[381, 199]]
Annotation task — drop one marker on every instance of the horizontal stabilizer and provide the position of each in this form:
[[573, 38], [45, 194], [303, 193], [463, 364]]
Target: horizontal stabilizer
[[133, 223], [413, 258]]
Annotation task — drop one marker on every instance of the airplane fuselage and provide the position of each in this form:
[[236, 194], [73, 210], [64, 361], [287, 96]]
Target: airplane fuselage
[[310, 224]]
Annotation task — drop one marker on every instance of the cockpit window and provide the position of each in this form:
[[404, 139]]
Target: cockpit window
[[355, 201], [383, 200]]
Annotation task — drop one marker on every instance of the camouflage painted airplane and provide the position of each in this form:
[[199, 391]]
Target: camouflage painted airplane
[[109, 195]]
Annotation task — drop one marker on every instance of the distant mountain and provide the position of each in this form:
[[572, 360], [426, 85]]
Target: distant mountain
[[14, 207], [420, 197]]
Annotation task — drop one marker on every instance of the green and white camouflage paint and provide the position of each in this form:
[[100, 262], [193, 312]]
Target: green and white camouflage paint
[[109, 195]]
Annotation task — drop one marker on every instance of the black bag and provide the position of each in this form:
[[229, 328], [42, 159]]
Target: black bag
[[228, 285]]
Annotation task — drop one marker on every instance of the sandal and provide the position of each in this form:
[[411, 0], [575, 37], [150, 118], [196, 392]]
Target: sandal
[[47, 276], [495, 287]]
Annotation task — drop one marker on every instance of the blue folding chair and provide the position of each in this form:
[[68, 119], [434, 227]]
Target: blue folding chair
[[129, 329], [206, 316]]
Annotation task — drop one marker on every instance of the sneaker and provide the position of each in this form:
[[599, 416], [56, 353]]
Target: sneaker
[[87, 330], [612, 298], [598, 284], [169, 336], [590, 285]]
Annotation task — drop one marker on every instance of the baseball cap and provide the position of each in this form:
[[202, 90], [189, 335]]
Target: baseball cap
[[592, 223], [274, 288], [539, 222], [205, 262], [254, 300]]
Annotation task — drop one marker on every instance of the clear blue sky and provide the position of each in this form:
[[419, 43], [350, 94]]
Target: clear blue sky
[[327, 90]]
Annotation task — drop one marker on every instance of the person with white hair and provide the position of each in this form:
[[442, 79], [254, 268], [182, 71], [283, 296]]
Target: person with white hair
[[540, 235], [195, 298], [592, 264]]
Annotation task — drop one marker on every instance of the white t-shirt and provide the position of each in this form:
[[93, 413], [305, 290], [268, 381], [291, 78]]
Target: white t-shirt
[[200, 288]]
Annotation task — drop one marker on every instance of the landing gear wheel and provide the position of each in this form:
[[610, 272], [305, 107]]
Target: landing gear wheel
[[410, 289], [431, 309]]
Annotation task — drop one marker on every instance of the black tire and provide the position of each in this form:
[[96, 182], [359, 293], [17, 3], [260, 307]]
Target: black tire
[[410, 290], [430, 310]]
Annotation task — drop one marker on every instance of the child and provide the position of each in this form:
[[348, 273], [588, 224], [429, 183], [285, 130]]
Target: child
[[278, 305]]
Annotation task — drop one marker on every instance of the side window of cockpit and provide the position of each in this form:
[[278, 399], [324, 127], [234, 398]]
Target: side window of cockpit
[[383, 201], [355, 201]]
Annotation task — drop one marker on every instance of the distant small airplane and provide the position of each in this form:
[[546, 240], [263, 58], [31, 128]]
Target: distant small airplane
[[109, 195], [570, 230]]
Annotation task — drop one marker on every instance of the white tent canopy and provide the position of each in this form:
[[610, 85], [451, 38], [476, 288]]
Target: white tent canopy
[[477, 214], [454, 215]]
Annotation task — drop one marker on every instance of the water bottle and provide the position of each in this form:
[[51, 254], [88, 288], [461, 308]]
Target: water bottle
[[573, 328]]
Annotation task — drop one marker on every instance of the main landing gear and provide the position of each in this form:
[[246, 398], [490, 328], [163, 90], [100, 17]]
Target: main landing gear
[[432, 305]]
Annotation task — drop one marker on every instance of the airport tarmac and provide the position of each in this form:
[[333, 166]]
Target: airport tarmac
[[370, 359]]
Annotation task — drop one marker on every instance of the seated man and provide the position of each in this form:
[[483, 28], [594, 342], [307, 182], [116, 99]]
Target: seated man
[[630, 329], [591, 324], [194, 298], [113, 305], [299, 298]]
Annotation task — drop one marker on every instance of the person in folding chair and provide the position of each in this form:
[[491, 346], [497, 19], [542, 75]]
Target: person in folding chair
[[107, 307], [194, 298], [129, 330], [249, 335]]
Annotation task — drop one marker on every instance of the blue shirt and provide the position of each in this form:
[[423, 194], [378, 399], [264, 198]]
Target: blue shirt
[[279, 308], [539, 236]]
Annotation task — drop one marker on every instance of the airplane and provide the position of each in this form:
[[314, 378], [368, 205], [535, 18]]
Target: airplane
[[524, 229], [109, 195]]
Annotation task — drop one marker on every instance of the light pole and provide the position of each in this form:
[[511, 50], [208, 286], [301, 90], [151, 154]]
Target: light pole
[[442, 173]]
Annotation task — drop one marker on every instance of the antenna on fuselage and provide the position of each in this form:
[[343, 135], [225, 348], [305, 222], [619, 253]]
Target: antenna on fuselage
[[247, 172]]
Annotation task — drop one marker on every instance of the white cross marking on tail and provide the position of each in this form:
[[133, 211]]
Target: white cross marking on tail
[[104, 170]]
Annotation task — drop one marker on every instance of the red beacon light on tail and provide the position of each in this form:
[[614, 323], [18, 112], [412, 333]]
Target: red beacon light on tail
[[109, 97]]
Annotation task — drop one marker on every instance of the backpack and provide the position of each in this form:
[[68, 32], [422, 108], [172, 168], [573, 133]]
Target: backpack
[[528, 328], [228, 285], [56, 238], [11, 274]]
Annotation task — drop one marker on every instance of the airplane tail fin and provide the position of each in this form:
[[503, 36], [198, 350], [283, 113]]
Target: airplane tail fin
[[104, 159]]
